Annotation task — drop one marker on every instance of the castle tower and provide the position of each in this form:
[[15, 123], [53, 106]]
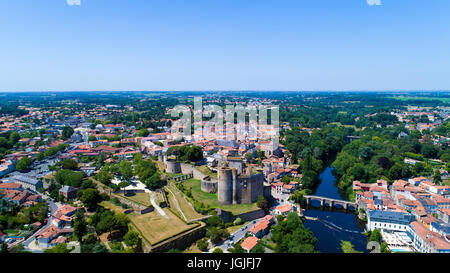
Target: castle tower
[[235, 187], [225, 186]]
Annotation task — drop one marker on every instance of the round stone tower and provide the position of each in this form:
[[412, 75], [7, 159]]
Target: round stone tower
[[173, 166], [225, 186]]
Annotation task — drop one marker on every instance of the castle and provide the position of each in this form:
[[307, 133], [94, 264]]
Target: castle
[[235, 188], [234, 184]]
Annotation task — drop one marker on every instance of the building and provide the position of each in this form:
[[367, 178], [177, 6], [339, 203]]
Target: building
[[28, 182], [249, 243], [239, 189], [443, 215], [388, 220], [63, 216], [68, 192], [52, 236], [284, 209], [260, 229], [7, 167], [427, 241]]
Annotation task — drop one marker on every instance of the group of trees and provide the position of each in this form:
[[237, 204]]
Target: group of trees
[[69, 177], [190, 153], [313, 151], [291, 236], [15, 217], [380, 154], [24, 163], [147, 172], [7, 142], [216, 229], [51, 151]]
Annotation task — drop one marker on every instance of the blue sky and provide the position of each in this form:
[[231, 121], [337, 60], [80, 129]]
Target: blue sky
[[48, 45]]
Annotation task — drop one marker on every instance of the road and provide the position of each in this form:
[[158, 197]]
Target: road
[[236, 236], [52, 208]]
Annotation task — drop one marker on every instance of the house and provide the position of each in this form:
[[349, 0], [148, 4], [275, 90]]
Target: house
[[48, 237], [427, 241], [7, 167], [284, 209], [68, 192], [260, 229], [249, 243], [63, 216]]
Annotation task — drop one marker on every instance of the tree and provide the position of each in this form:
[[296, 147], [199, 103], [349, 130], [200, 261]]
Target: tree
[[69, 164], [104, 176], [217, 250], [429, 150], [238, 221], [67, 132], [123, 184], [237, 249], [24, 163], [347, 247], [154, 181], [133, 240], [79, 225], [61, 248], [14, 137], [90, 198], [121, 221], [259, 248], [215, 221], [262, 203], [125, 169], [376, 236], [202, 245], [248, 157], [396, 172], [437, 177], [291, 236], [4, 248], [143, 133]]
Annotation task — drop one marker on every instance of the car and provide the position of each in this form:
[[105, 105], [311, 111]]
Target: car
[[45, 221]]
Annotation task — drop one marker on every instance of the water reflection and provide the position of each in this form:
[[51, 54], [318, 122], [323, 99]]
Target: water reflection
[[333, 224]]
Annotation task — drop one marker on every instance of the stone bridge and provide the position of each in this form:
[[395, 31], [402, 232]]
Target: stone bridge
[[330, 201]]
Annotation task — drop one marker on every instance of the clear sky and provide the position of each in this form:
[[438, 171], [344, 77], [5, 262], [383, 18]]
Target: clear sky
[[224, 45]]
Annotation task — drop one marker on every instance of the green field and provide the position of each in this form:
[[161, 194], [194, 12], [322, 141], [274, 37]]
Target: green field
[[152, 226], [349, 126], [142, 198], [211, 199], [185, 207], [403, 98], [156, 228]]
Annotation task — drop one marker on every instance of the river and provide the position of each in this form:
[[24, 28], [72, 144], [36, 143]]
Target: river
[[333, 225]]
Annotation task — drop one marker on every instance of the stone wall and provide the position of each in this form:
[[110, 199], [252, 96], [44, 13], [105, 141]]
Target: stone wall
[[227, 216], [181, 241]]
